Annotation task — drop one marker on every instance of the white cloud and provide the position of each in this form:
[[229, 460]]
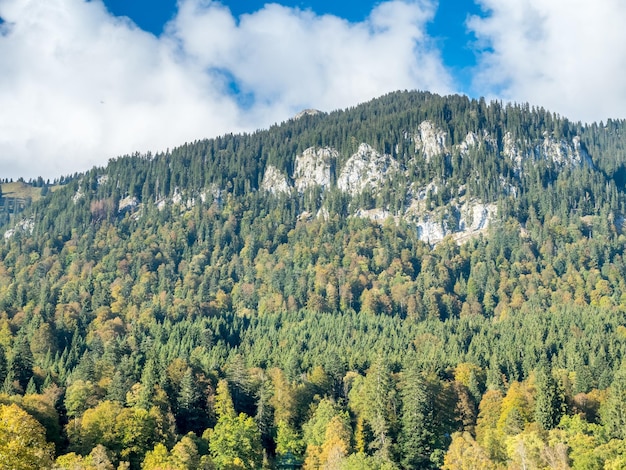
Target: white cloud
[[293, 58], [78, 86], [568, 56]]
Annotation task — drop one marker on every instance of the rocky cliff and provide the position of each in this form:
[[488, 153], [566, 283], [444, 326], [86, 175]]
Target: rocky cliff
[[366, 169], [313, 167]]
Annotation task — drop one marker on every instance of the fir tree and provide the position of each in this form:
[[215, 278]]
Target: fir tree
[[22, 361], [548, 403], [417, 440], [31, 388], [3, 364], [191, 414]]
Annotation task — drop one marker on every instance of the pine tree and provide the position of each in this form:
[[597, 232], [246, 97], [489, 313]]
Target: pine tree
[[380, 396], [264, 413], [22, 361], [191, 411], [8, 387], [548, 404], [613, 410], [3, 364], [416, 438], [239, 381], [31, 388], [117, 389], [148, 381], [47, 382]]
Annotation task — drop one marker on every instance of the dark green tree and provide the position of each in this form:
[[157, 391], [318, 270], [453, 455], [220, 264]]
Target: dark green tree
[[118, 388], [3, 364], [416, 439], [191, 405], [613, 410], [548, 399], [22, 361]]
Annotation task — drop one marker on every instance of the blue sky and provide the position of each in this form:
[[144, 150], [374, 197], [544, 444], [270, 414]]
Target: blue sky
[[448, 27], [82, 81]]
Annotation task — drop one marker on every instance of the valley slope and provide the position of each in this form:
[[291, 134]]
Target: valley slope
[[409, 283]]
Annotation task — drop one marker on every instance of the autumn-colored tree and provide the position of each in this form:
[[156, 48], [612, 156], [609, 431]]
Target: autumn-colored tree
[[98, 426], [184, 456], [487, 434], [464, 453], [23, 443], [336, 445], [98, 459], [517, 409], [284, 399]]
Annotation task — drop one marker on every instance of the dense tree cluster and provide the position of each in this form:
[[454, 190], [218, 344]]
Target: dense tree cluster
[[205, 323]]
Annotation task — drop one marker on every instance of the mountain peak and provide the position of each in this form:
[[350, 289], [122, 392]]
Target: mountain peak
[[307, 112]]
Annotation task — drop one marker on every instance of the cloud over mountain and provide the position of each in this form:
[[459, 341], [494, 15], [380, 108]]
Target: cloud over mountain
[[567, 56], [78, 85]]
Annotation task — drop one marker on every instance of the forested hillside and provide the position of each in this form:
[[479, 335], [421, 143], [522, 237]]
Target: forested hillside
[[415, 282]]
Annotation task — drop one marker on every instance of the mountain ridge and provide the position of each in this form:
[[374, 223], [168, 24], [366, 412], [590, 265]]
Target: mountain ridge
[[439, 156], [415, 282]]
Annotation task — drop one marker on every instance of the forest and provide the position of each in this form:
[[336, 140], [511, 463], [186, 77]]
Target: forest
[[167, 312]]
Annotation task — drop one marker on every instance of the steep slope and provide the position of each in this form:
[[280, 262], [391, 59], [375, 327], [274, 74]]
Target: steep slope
[[407, 263], [398, 144]]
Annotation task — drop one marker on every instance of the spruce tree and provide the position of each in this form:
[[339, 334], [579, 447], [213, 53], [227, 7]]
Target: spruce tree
[[117, 388], [148, 381], [3, 364], [380, 395], [22, 361], [31, 388], [7, 386], [548, 403], [416, 439], [191, 415], [613, 410]]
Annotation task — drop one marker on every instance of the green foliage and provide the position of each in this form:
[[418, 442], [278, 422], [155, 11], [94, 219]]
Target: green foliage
[[417, 434], [184, 456], [613, 411], [288, 440], [165, 294], [235, 443], [375, 400], [79, 397], [191, 409], [3, 365], [549, 405]]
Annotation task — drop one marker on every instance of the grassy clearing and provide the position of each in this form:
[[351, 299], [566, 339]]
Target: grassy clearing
[[21, 190]]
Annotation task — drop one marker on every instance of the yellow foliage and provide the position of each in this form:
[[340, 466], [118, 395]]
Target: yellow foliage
[[463, 372], [517, 408], [336, 445], [23, 444], [464, 453]]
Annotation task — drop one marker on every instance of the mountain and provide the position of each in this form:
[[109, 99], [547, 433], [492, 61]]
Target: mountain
[[408, 283]]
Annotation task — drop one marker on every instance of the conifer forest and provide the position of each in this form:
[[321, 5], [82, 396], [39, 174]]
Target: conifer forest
[[417, 282]]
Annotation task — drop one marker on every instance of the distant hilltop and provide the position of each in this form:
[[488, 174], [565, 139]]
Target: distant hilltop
[[307, 112]]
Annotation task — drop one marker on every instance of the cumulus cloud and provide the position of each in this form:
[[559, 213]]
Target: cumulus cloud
[[288, 58], [565, 55], [78, 85]]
